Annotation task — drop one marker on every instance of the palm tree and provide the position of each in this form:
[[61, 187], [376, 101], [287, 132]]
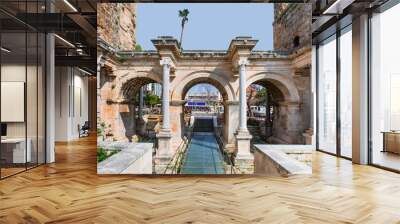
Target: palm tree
[[184, 15]]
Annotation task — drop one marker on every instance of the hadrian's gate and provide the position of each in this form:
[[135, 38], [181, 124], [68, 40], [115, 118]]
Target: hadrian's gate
[[286, 76]]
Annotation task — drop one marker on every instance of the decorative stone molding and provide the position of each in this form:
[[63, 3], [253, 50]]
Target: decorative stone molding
[[289, 104], [177, 102], [231, 102]]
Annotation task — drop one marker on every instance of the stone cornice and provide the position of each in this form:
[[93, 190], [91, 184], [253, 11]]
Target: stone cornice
[[177, 102], [231, 102], [204, 54], [241, 45], [103, 45]]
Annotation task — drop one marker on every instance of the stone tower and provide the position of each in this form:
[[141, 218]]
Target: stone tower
[[116, 24], [292, 26]]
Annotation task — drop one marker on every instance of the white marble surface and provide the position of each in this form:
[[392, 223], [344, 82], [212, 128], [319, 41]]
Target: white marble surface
[[134, 158], [278, 158]]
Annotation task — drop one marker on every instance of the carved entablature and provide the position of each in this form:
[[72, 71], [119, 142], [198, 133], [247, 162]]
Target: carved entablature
[[239, 51], [167, 46]]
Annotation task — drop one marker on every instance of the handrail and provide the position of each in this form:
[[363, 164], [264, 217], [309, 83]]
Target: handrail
[[188, 141], [177, 159], [226, 157]]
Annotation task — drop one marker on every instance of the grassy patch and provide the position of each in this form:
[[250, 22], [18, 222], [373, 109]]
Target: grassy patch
[[103, 154]]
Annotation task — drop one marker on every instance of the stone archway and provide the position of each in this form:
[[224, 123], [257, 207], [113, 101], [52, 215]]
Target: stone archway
[[219, 80], [287, 117], [282, 84], [222, 84], [120, 109], [130, 82]]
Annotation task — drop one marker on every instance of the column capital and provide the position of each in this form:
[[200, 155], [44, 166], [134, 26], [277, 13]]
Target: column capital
[[243, 61], [237, 63], [167, 61]]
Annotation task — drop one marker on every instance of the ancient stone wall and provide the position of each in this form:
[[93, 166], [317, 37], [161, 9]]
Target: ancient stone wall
[[292, 26], [116, 24]]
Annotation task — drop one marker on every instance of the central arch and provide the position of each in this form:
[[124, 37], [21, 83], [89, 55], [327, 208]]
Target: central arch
[[219, 80]]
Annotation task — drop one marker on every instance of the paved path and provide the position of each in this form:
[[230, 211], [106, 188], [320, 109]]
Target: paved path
[[203, 156]]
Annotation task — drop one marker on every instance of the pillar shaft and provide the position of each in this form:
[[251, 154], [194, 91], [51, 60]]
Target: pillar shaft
[[165, 95], [242, 95]]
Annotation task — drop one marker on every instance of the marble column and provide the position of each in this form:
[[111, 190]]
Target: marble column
[[244, 159], [242, 95], [166, 64], [164, 136]]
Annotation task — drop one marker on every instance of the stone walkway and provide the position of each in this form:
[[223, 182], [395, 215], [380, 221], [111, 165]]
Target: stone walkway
[[203, 156]]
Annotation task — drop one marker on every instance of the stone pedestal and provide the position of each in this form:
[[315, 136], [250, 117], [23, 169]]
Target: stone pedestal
[[160, 164], [245, 165], [163, 154], [243, 143], [164, 143], [244, 160]]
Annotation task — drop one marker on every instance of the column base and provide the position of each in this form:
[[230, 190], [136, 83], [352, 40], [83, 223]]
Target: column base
[[164, 143], [161, 164], [243, 138], [163, 153], [244, 159], [245, 165]]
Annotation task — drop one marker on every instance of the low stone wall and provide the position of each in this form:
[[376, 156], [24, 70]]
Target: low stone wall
[[282, 160], [134, 158]]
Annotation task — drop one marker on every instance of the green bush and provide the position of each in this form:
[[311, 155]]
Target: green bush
[[103, 154]]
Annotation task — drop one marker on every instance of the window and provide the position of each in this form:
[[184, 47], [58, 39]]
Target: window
[[385, 89], [346, 92], [22, 101], [327, 95]]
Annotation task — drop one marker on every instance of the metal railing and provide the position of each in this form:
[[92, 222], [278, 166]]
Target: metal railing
[[175, 165], [227, 158]]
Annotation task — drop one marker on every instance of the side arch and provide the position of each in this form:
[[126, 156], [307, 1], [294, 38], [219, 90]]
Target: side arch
[[130, 83], [282, 84]]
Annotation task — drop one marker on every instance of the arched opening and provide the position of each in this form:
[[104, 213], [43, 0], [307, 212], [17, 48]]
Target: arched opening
[[204, 99], [225, 109], [273, 114], [263, 100], [142, 117], [204, 120]]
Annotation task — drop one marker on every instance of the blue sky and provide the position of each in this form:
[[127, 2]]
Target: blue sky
[[202, 88], [211, 26]]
